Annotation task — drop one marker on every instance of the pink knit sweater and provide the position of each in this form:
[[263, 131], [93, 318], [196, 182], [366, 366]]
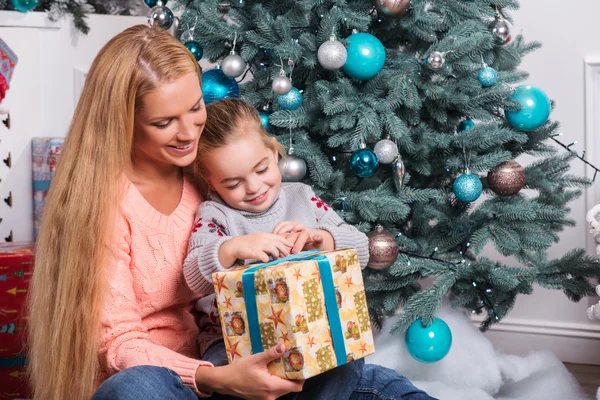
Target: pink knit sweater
[[147, 318]]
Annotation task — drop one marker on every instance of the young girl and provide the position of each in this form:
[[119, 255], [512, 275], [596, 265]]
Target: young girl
[[250, 214]]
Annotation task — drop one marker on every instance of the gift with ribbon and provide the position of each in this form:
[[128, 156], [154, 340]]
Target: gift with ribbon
[[314, 302], [45, 152]]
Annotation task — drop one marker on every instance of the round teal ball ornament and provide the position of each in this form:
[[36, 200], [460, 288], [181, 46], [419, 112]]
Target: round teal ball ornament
[[366, 56], [364, 162], [428, 344], [535, 108], [487, 76], [464, 125], [194, 48], [216, 86], [24, 5], [467, 188], [264, 119], [292, 100]]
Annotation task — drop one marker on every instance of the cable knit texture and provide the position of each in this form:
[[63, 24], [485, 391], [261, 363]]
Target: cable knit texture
[[216, 222], [147, 318]]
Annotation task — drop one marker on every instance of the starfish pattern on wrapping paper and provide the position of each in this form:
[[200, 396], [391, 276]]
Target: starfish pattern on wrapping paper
[[232, 348]]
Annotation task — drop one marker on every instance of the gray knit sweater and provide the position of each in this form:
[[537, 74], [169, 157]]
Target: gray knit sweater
[[216, 223]]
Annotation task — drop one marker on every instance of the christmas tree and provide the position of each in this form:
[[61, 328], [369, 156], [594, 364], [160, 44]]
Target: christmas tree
[[407, 117]]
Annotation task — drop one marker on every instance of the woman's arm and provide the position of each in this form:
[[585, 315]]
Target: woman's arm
[[124, 339]]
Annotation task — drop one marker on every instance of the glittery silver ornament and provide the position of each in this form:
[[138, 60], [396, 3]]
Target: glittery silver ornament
[[398, 172], [383, 249], [332, 54], [436, 60], [386, 151], [161, 16], [501, 28], [233, 65], [281, 85], [292, 168], [391, 8]]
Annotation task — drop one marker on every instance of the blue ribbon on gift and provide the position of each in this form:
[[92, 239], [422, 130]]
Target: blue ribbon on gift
[[41, 185], [331, 308]]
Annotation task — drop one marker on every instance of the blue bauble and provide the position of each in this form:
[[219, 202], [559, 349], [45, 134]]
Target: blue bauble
[[465, 125], [264, 119], [487, 76], [153, 3], [363, 162], [366, 56], [428, 344], [24, 5], [467, 188], [194, 48], [216, 86], [535, 108], [292, 100]]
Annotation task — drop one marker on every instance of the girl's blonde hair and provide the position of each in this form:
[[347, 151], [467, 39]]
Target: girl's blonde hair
[[66, 292], [224, 121]]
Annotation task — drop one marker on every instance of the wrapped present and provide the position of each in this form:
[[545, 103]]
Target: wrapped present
[[8, 61], [314, 302], [16, 264], [13, 383], [45, 151]]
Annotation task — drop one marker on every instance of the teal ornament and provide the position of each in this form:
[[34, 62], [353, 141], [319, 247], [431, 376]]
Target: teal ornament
[[216, 86], [154, 3], [24, 5], [465, 125], [467, 188], [428, 344], [292, 100], [363, 162], [535, 108], [264, 119], [487, 76], [366, 56], [194, 48]]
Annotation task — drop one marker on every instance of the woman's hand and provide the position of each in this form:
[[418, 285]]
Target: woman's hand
[[248, 378], [256, 246]]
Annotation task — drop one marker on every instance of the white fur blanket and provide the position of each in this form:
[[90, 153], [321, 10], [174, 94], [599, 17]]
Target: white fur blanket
[[473, 370]]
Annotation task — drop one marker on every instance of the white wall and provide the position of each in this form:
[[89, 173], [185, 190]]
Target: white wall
[[41, 97], [547, 319]]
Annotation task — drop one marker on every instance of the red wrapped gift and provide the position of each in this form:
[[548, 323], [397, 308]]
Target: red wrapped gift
[[13, 383], [16, 263]]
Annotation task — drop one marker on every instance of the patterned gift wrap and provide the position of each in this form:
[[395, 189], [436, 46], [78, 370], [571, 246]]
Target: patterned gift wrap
[[13, 383], [314, 302], [44, 151]]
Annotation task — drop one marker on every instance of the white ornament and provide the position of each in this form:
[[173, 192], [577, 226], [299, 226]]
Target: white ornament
[[233, 65], [281, 85], [386, 151]]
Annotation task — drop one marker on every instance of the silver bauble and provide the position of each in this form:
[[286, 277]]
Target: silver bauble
[[501, 28], [391, 8], [160, 16], [383, 249], [386, 151], [436, 60], [292, 168], [332, 54], [233, 65], [281, 85], [398, 172]]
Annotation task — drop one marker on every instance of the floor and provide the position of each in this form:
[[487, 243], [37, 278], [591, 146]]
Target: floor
[[587, 375]]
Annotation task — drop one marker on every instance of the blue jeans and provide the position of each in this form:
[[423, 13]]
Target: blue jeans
[[150, 382]]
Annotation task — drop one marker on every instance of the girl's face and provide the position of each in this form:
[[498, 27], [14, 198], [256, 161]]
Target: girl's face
[[168, 126], [244, 172]]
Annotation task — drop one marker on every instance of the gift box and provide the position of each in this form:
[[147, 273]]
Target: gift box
[[45, 151], [314, 302]]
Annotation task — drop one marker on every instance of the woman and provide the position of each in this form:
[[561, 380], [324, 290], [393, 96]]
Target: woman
[[110, 314]]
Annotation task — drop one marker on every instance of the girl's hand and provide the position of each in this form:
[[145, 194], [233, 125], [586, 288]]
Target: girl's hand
[[285, 227], [248, 378], [257, 246]]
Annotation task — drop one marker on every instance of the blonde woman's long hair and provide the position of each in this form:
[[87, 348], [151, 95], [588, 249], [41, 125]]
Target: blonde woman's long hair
[[66, 292]]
